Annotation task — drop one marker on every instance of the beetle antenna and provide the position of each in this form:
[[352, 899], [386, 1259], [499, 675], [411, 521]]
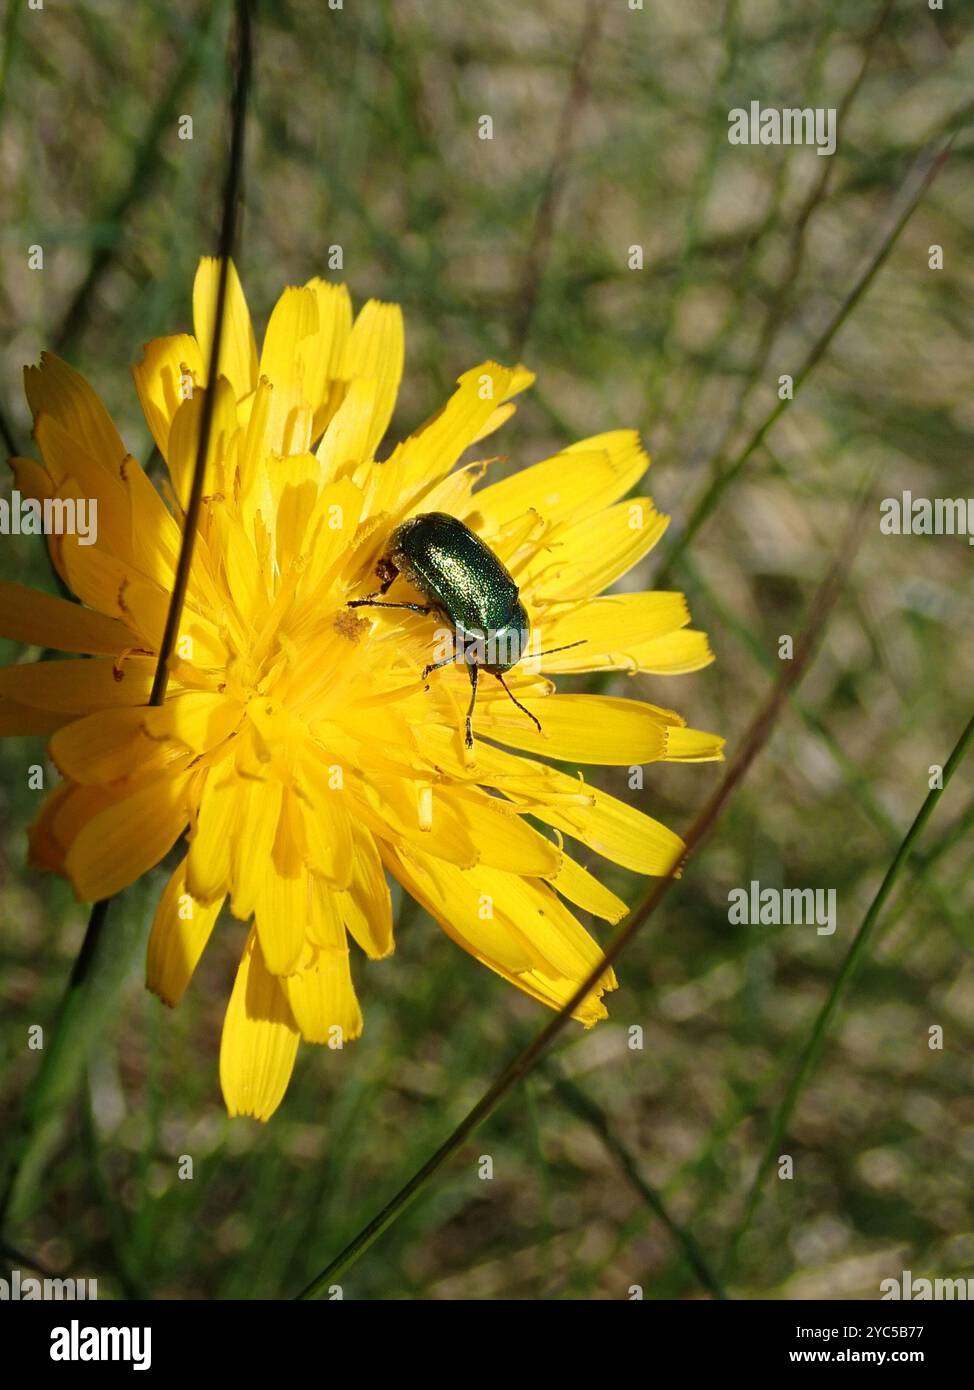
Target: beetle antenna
[[566, 648], [534, 719]]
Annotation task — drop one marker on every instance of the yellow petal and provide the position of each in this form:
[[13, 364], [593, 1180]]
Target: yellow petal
[[28, 616], [281, 905], [31, 478], [328, 827], [259, 1042], [625, 450], [324, 353], [259, 809], [58, 390], [614, 829], [503, 839], [397, 807], [217, 825], [611, 827], [325, 925], [692, 746], [66, 810], [330, 531], [676, 654], [21, 720], [169, 370], [557, 992], [608, 628], [155, 536], [323, 1001], [180, 931], [297, 481], [99, 578], [45, 847], [471, 908], [76, 687], [558, 943], [199, 719], [366, 906], [238, 350], [252, 479], [578, 728], [584, 558], [293, 320], [521, 379], [430, 453], [346, 441], [454, 494], [281, 915], [74, 549], [375, 350], [585, 891], [494, 421], [127, 838], [452, 897], [247, 589], [111, 744], [69, 462], [582, 479], [184, 442]]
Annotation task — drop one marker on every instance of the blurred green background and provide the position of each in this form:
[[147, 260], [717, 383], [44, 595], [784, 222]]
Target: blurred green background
[[609, 132]]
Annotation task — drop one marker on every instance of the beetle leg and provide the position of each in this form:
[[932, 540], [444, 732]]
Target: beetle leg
[[474, 669], [387, 572], [437, 666], [371, 602]]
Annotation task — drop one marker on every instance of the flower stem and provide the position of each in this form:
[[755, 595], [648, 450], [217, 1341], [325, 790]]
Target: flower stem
[[72, 1030]]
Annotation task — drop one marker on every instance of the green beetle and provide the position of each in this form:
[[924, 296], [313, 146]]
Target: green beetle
[[464, 581]]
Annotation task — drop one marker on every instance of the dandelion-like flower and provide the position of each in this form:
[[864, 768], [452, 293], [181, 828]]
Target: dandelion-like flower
[[299, 755]]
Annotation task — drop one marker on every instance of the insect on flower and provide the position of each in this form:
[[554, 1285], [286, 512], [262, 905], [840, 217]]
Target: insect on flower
[[296, 762], [463, 580]]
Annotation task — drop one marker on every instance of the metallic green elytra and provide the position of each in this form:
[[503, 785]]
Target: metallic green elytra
[[462, 579]]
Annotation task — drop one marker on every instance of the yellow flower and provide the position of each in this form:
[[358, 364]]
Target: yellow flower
[[299, 755]]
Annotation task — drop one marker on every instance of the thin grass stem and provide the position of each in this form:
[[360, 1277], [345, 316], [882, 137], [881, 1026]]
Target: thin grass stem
[[854, 956], [754, 740]]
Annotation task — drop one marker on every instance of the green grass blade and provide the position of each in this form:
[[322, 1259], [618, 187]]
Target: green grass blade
[[857, 950]]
